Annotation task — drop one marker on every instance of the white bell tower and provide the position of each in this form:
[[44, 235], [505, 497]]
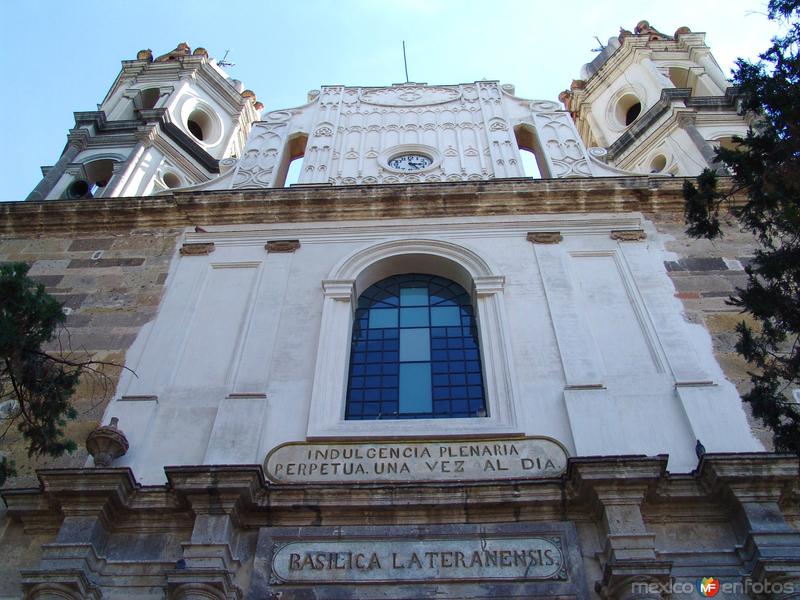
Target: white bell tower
[[164, 124], [657, 104]]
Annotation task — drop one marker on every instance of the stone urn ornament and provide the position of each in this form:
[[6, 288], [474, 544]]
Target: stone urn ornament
[[107, 443]]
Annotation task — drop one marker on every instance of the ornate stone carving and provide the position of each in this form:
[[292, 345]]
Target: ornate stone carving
[[323, 132], [561, 143], [211, 586], [544, 237], [63, 585], [197, 249], [279, 116], [628, 235], [107, 443], [226, 164], [410, 95]]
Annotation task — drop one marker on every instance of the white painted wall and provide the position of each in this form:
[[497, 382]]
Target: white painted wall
[[599, 355]]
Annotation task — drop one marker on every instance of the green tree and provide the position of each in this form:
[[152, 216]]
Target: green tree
[[763, 197], [36, 385]]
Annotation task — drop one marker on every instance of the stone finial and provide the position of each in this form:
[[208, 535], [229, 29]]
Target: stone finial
[[258, 106], [644, 28], [145, 55], [181, 50], [107, 443], [200, 51], [681, 31]]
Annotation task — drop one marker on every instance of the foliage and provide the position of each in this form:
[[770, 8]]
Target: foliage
[[765, 168], [35, 385]]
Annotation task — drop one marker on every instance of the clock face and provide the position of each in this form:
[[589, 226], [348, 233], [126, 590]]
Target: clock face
[[410, 162]]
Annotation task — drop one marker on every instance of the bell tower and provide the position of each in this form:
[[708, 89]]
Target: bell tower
[[166, 123], [657, 104]]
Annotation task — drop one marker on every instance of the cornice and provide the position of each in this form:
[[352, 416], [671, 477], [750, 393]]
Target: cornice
[[671, 99], [151, 117], [243, 492], [345, 203]]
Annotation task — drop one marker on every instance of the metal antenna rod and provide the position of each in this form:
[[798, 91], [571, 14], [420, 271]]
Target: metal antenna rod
[[405, 62]]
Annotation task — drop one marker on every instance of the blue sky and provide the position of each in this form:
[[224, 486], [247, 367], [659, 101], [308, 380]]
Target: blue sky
[[59, 57]]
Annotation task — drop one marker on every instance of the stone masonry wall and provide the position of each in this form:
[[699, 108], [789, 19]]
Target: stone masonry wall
[[110, 285], [706, 273]]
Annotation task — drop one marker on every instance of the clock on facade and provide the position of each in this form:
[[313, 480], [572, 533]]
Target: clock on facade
[[410, 162]]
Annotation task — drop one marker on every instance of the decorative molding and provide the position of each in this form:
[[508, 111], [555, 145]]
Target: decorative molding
[[197, 249], [341, 289], [485, 286], [139, 398], [628, 235], [282, 245], [410, 94], [544, 237]]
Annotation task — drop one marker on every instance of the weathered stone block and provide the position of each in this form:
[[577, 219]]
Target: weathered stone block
[[47, 267], [49, 281], [91, 244], [104, 263], [70, 300], [703, 283]]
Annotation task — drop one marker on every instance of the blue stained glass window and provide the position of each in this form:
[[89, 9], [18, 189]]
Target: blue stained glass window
[[382, 317], [442, 316], [414, 296], [416, 316], [415, 388], [415, 345], [414, 352]]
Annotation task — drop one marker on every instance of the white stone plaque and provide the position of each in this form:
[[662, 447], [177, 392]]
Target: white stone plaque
[[376, 561], [452, 460]]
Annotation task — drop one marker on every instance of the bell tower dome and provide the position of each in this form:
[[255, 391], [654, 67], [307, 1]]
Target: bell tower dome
[[165, 123]]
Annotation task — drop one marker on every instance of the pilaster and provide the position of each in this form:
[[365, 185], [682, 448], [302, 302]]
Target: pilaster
[[686, 121], [216, 495], [88, 500], [756, 485], [617, 487], [76, 142]]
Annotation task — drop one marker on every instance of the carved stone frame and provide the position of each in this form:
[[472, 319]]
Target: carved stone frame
[[371, 264], [386, 155]]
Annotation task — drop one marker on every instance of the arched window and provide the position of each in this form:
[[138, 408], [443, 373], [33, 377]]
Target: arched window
[[530, 151], [414, 352], [292, 161]]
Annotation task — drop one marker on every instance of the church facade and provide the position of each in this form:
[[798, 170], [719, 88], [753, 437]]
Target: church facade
[[414, 373]]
